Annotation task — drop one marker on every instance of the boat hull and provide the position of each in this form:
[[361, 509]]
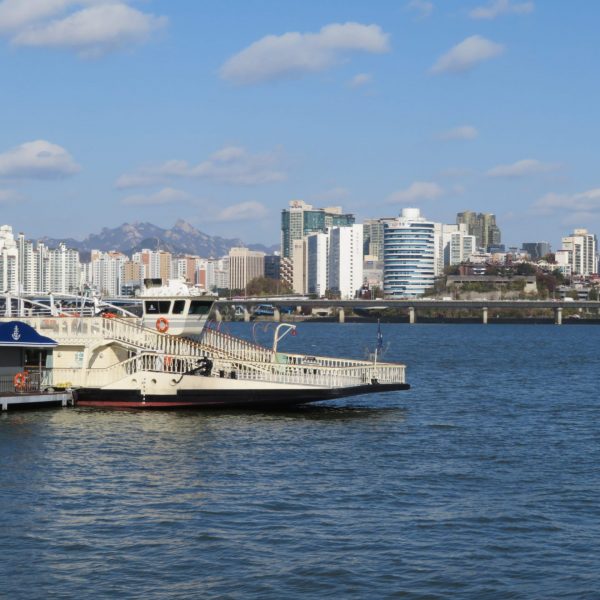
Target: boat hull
[[234, 398]]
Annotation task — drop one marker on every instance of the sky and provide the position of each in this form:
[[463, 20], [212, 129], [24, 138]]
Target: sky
[[220, 113]]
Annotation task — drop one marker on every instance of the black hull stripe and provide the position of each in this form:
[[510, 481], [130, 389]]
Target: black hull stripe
[[223, 398]]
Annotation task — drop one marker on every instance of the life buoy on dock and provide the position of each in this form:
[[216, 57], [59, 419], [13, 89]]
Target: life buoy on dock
[[162, 325], [20, 380]]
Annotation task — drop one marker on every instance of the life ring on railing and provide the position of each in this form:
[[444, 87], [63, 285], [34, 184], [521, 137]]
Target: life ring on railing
[[168, 362], [20, 380], [109, 315], [162, 325]]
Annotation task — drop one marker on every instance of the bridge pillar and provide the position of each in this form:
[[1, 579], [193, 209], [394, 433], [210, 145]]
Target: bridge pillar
[[276, 315], [485, 315], [558, 315], [412, 315], [218, 315], [246, 314], [341, 315]]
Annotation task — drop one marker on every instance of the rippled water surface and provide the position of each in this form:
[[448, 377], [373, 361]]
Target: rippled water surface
[[483, 481]]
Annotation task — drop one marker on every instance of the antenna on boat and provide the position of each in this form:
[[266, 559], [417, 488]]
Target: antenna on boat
[[379, 344]]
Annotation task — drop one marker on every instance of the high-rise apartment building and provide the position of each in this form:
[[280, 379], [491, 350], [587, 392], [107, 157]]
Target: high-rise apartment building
[[482, 226], [301, 219], [317, 263], [244, 266], [345, 260], [409, 254], [65, 270], [582, 250], [454, 245], [9, 261]]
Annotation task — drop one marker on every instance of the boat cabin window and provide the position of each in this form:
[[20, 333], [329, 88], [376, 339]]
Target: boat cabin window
[[178, 307], [200, 307], [155, 307]]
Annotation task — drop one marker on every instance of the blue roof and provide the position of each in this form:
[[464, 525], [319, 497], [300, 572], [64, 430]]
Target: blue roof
[[21, 335]]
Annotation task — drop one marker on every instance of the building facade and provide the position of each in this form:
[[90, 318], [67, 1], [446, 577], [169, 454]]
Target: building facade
[[345, 268], [481, 225], [409, 255], [582, 248], [244, 266]]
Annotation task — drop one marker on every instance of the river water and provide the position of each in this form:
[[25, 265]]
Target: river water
[[482, 481]]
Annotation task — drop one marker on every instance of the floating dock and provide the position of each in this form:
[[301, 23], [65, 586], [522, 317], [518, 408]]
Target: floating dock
[[36, 399]]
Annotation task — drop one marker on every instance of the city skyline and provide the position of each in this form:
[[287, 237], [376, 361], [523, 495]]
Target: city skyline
[[209, 114]]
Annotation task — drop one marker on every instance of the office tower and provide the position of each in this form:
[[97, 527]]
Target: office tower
[[272, 266], [302, 219], [244, 266], [482, 226], [582, 248], [536, 250], [373, 238], [409, 254]]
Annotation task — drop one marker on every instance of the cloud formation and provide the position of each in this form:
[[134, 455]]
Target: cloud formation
[[423, 8], [417, 192], [584, 202], [164, 196], [37, 160], [94, 28], [360, 80], [231, 165], [10, 197], [464, 132], [467, 55], [293, 54], [497, 8], [522, 168], [244, 211]]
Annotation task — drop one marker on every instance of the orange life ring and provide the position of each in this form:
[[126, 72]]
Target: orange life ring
[[20, 380], [162, 325], [109, 315], [168, 361]]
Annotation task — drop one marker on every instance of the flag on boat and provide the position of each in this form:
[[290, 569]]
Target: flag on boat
[[379, 337]]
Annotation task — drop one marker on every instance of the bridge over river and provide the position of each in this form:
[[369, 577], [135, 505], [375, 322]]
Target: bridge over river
[[411, 306]]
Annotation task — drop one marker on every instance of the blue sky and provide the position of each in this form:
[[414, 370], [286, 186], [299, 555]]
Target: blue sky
[[219, 113]]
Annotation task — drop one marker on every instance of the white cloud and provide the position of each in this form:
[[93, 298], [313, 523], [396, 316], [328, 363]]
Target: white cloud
[[416, 192], [10, 197], [37, 160], [497, 8], [583, 202], [467, 55], [464, 132], [94, 28], [360, 80], [244, 211], [164, 196], [523, 168], [293, 53], [93, 31], [230, 165], [424, 8]]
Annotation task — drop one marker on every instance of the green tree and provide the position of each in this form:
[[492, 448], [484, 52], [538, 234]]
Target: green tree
[[265, 286]]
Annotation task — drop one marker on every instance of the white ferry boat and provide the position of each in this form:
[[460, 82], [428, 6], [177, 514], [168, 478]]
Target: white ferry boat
[[117, 362]]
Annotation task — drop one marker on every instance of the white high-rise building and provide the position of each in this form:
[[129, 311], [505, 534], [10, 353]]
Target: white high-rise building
[[456, 245], [345, 260], [9, 261], [299, 266], [409, 254], [65, 270], [27, 265], [317, 263], [106, 272], [582, 248]]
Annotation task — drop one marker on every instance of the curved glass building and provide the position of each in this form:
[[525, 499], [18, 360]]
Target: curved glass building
[[408, 255]]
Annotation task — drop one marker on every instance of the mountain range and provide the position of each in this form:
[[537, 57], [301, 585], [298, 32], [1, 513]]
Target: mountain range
[[182, 238]]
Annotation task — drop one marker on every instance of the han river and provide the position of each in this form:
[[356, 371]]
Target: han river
[[482, 481]]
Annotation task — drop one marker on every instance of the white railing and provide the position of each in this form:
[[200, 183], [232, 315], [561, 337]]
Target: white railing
[[160, 352]]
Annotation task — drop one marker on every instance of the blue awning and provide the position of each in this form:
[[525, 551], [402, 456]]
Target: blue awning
[[20, 335]]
